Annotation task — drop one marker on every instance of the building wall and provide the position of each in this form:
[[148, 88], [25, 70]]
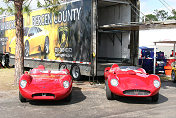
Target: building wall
[[148, 37]]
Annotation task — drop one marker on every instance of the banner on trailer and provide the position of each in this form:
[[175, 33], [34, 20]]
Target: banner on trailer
[[61, 35]]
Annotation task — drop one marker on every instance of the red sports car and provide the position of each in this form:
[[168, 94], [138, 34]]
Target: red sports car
[[132, 82], [41, 84]]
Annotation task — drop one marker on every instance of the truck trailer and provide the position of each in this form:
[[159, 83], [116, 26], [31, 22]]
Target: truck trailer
[[84, 36]]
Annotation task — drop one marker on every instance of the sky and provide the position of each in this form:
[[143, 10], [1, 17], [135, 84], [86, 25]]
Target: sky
[[148, 6]]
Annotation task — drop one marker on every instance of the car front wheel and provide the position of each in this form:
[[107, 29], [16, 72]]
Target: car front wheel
[[68, 99], [109, 94], [21, 98], [155, 97]]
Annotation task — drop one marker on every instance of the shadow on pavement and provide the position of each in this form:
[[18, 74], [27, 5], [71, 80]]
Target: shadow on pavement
[[77, 96], [145, 100], [167, 84]]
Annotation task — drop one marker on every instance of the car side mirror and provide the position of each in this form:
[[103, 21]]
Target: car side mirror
[[31, 34]]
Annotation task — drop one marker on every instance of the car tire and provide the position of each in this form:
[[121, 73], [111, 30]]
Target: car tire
[[109, 94], [62, 66], [173, 76], [155, 97], [26, 49], [21, 98], [5, 61], [68, 98], [46, 45], [75, 72]]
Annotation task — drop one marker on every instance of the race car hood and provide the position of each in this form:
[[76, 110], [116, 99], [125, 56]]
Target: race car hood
[[138, 81], [45, 83]]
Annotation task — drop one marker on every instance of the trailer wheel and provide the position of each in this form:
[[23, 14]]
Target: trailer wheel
[[75, 72], [26, 49], [62, 66], [46, 46], [5, 61]]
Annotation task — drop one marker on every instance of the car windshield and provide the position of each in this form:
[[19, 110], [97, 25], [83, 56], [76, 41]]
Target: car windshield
[[26, 29], [129, 67]]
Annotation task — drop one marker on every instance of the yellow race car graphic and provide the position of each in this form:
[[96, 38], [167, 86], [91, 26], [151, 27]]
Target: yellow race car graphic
[[36, 41]]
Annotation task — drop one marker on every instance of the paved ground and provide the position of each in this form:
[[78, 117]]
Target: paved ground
[[90, 102]]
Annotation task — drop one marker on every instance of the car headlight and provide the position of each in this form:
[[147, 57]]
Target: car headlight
[[114, 82], [156, 83], [23, 83], [66, 84]]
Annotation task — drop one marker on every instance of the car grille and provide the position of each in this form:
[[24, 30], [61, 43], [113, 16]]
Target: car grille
[[136, 92], [43, 94]]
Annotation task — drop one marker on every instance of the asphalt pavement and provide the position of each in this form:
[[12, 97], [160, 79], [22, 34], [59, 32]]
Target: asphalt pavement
[[89, 101]]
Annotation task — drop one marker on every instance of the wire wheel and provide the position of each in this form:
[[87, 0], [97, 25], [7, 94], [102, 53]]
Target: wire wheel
[[26, 49], [46, 46]]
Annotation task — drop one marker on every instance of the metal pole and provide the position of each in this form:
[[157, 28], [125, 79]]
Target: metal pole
[[174, 55], [154, 59]]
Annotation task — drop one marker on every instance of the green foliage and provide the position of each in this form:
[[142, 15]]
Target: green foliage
[[174, 15], [8, 9], [49, 3], [26, 9], [161, 15], [39, 5], [150, 17], [2, 10]]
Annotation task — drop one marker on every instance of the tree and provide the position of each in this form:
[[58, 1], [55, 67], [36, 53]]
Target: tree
[[19, 54], [19, 6], [174, 15], [161, 15], [150, 17]]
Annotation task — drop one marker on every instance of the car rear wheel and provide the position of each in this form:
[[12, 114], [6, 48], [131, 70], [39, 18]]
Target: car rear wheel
[[26, 49], [46, 46], [21, 98], [75, 72], [173, 76], [109, 94], [155, 97]]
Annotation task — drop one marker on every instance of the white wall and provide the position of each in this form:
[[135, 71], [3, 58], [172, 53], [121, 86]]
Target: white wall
[[147, 37]]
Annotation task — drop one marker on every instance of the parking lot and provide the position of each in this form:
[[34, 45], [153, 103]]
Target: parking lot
[[89, 101]]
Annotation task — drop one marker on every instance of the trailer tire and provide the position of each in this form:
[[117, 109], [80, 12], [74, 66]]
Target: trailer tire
[[62, 66], [75, 72], [26, 49], [46, 45], [5, 61]]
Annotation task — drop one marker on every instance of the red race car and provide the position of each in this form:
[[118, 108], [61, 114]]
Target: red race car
[[41, 84], [132, 82]]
